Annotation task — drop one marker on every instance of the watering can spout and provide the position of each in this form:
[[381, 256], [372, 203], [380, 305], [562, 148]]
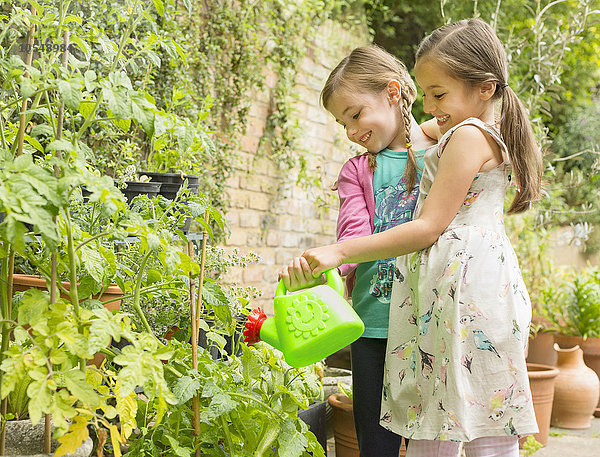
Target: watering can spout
[[308, 325], [260, 328]]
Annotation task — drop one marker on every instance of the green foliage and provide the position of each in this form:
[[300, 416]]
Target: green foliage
[[346, 389], [531, 446], [572, 304], [230, 50], [57, 117], [248, 407]]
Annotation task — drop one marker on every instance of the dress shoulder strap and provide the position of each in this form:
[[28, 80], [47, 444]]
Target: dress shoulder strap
[[490, 130]]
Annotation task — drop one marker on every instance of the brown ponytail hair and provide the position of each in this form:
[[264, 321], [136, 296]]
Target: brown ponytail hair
[[471, 52], [369, 69]]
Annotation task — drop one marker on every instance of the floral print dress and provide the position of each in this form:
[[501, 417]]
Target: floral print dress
[[459, 320]]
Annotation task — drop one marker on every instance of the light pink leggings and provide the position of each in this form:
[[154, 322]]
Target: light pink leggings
[[494, 446]]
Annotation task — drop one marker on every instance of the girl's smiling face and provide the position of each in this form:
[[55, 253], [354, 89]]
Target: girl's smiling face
[[451, 100], [373, 121]]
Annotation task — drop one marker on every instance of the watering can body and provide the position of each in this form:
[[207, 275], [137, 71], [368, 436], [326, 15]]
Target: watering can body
[[309, 324]]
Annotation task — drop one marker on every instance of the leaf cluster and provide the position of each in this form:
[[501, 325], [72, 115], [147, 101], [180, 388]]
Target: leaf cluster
[[248, 407], [572, 305]]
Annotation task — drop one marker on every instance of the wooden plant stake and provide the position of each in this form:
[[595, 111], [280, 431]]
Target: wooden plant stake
[[195, 312]]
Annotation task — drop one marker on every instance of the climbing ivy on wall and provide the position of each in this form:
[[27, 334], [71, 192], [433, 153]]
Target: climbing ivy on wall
[[228, 45]]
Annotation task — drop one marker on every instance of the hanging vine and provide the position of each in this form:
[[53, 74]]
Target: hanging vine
[[228, 45]]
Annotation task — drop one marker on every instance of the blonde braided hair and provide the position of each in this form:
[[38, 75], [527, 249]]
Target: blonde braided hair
[[370, 69], [410, 171]]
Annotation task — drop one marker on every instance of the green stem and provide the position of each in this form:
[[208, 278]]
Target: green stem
[[73, 292], [5, 309], [137, 294], [95, 237], [50, 114], [143, 290], [249, 397], [226, 434], [20, 100]]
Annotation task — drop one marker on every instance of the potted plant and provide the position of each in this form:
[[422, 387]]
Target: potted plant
[[346, 442], [572, 306], [541, 382]]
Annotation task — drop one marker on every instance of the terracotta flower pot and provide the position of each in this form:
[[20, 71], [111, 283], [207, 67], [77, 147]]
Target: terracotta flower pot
[[591, 354], [576, 390], [567, 341], [24, 282], [541, 382], [540, 349], [112, 295], [591, 357], [346, 443]]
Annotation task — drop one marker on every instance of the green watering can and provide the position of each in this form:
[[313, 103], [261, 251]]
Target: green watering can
[[309, 324]]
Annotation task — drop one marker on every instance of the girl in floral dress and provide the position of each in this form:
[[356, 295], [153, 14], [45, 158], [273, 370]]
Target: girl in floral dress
[[459, 314]]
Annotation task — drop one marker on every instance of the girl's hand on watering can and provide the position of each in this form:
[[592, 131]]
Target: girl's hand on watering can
[[298, 275], [324, 258]]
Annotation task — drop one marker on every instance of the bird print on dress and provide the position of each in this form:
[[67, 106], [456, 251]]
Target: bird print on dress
[[424, 321], [509, 428], [427, 361], [516, 330], [398, 276], [483, 343], [471, 197], [443, 383], [500, 401], [453, 264], [403, 351], [466, 360]]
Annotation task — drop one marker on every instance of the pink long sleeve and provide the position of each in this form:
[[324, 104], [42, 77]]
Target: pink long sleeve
[[357, 206]]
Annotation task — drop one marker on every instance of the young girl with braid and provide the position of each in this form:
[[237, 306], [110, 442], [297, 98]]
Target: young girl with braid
[[459, 313], [370, 93]]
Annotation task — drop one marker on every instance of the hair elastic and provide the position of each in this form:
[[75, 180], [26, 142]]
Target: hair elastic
[[503, 85], [408, 145]]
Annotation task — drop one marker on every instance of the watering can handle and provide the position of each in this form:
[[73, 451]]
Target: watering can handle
[[334, 280]]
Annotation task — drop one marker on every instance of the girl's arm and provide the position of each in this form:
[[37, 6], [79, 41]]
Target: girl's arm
[[431, 129], [465, 153], [354, 220]]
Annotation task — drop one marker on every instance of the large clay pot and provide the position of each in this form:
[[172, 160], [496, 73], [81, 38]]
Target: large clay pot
[[591, 353], [346, 443], [541, 382], [540, 349], [111, 298], [591, 357], [24, 282], [568, 341], [576, 390]]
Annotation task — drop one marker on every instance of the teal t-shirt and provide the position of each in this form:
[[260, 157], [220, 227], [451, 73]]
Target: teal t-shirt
[[393, 206]]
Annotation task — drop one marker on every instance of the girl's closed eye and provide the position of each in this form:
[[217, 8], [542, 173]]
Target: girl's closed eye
[[439, 96], [356, 115]]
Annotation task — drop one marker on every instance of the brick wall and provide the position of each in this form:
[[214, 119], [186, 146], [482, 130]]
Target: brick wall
[[269, 213]]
